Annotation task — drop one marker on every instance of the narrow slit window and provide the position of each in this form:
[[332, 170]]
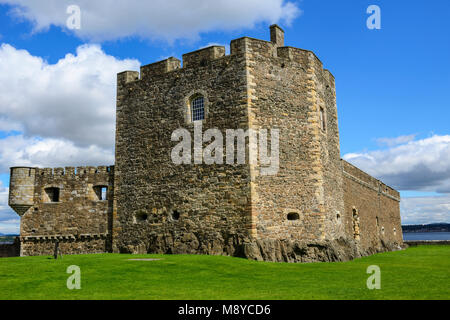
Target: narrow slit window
[[104, 193], [198, 109], [322, 119]]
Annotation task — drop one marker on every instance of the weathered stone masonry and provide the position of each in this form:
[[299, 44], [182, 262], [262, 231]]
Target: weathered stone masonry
[[317, 208], [77, 217]]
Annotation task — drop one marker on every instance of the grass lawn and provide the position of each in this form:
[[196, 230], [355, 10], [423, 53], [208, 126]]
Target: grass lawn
[[417, 273]]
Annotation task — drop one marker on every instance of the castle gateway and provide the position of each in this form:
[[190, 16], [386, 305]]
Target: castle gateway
[[316, 207]]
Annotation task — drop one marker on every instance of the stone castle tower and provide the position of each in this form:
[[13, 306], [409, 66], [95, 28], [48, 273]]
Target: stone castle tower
[[317, 207]]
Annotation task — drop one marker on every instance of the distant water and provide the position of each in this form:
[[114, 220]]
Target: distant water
[[426, 236]]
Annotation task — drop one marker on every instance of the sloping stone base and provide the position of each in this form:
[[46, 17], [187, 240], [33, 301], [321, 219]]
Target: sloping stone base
[[305, 252], [259, 250]]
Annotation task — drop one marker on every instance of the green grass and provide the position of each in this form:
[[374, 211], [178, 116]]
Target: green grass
[[417, 273]]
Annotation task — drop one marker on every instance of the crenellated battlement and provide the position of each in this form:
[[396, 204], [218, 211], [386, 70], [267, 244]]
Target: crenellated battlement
[[160, 68], [245, 46], [202, 57], [75, 171]]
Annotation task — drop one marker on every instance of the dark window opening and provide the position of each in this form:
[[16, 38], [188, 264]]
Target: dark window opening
[[356, 228], [322, 119], [52, 194], [293, 216], [141, 216], [101, 193], [175, 215]]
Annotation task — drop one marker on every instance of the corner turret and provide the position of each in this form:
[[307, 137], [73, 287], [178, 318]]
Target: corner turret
[[21, 189]]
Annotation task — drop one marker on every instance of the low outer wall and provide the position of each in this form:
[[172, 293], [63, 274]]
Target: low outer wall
[[10, 250], [377, 224], [89, 244], [80, 218]]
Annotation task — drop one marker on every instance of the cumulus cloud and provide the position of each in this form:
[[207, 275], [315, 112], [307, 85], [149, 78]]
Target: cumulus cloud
[[391, 142], [36, 152], [73, 99], [419, 165], [156, 19], [9, 220], [425, 210]]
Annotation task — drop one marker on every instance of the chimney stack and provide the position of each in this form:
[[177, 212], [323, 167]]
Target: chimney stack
[[277, 35]]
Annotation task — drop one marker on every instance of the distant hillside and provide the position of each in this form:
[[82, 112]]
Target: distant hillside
[[435, 227]]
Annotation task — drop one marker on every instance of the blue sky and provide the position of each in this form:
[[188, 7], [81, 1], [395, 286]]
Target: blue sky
[[392, 84]]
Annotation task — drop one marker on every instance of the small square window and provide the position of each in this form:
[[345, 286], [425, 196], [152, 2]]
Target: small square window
[[52, 195], [101, 192]]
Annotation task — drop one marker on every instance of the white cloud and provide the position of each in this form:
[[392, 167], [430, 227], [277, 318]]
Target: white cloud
[[156, 19], [51, 152], [420, 165], [391, 142], [65, 113], [425, 210], [73, 99], [9, 220]]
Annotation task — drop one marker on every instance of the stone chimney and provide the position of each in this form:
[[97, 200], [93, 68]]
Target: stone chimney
[[277, 35]]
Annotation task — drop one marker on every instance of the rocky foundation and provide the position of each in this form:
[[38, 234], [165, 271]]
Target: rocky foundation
[[260, 250]]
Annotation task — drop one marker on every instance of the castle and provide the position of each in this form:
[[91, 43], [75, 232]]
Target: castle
[[317, 207]]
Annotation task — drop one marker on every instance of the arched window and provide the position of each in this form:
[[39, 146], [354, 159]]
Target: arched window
[[198, 108]]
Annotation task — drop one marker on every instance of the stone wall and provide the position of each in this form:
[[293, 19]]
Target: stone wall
[[315, 208], [372, 211], [287, 90], [161, 207], [76, 214]]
